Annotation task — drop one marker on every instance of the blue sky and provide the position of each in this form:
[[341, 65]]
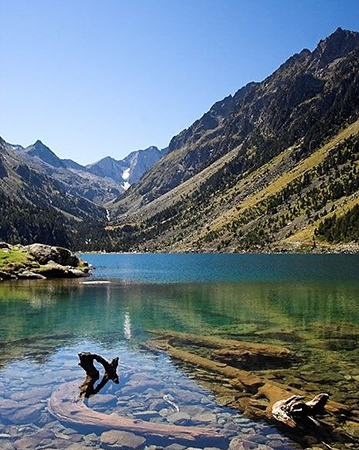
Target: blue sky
[[92, 78]]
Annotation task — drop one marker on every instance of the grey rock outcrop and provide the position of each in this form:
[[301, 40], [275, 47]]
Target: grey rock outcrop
[[39, 262], [46, 253]]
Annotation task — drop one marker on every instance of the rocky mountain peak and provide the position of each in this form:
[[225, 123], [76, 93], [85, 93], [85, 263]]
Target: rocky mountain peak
[[40, 150], [39, 144], [337, 45], [128, 170]]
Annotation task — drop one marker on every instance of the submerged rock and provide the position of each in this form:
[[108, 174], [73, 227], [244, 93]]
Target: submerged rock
[[122, 439]]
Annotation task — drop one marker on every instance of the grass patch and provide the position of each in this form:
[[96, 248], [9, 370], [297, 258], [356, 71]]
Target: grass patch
[[12, 259]]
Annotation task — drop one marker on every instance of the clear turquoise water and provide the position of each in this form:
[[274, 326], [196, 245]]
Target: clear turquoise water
[[309, 303], [226, 268]]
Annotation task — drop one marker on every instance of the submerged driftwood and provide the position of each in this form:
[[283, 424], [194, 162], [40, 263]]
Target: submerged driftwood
[[294, 411], [238, 354], [258, 396], [68, 406]]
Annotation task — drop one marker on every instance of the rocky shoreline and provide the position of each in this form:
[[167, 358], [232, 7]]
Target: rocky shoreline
[[40, 261]]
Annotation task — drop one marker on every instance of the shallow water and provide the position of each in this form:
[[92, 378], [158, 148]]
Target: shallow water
[[308, 303]]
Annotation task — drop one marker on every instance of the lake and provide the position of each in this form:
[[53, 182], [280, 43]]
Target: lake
[[308, 304]]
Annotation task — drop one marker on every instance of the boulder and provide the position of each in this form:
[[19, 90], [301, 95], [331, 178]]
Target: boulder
[[46, 253], [77, 273], [55, 270]]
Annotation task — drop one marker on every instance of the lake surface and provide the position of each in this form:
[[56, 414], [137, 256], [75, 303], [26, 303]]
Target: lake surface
[[307, 303]]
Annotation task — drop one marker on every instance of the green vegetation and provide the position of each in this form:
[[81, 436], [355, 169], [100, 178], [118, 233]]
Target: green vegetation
[[340, 229], [12, 259]]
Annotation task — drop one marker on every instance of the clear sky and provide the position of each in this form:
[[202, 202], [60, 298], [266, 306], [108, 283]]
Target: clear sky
[[92, 78]]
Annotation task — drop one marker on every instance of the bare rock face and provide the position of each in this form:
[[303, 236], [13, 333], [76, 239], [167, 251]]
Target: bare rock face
[[45, 253]]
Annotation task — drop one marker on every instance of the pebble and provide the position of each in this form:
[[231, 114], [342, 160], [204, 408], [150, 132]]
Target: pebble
[[4, 436], [102, 400], [26, 443], [205, 418], [352, 428], [179, 417], [7, 446], [146, 415], [122, 438], [239, 444], [175, 447], [91, 438], [26, 415]]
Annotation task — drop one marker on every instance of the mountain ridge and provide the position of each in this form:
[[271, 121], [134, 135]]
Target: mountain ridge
[[128, 170], [306, 101], [253, 101]]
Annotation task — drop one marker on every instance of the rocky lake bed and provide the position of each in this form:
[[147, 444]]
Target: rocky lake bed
[[150, 389], [208, 357]]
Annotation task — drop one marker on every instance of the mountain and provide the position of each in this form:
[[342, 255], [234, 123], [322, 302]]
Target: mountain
[[274, 167], [35, 207], [128, 170], [259, 169], [44, 153]]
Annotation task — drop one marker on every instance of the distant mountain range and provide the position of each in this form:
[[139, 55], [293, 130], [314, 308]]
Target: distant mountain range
[[273, 167], [101, 181], [128, 170]]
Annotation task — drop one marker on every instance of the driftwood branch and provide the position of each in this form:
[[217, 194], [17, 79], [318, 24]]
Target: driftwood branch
[[294, 411], [87, 363], [65, 405]]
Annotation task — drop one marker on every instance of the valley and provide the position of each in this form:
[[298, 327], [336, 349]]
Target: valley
[[269, 169]]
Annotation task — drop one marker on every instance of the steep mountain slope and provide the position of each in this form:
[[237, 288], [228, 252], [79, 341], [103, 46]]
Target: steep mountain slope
[[70, 164], [206, 194], [35, 207], [128, 170], [307, 98]]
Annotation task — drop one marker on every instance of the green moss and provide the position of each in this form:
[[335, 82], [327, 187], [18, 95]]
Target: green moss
[[12, 259]]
